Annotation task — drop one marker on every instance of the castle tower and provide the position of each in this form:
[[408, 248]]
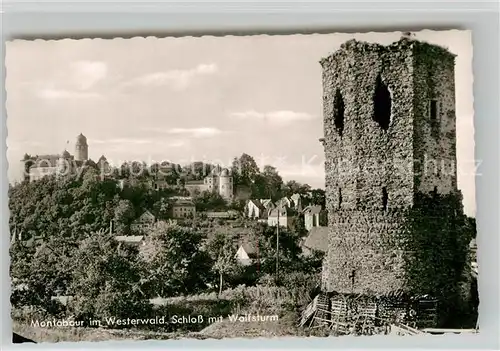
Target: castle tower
[[64, 164], [81, 148], [389, 135], [225, 185]]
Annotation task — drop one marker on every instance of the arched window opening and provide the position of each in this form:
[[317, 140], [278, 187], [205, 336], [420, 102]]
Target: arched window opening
[[433, 110], [382, 104], [434, 117], [340, 197], [385, 198], [338, 112]]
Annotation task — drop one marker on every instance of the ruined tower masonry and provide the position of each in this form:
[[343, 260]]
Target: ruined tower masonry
[[389, 134]]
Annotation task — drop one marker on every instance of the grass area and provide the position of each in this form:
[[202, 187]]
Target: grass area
[[285, 326], [242, 300], [236, 329], [68, 334], [61, 334]]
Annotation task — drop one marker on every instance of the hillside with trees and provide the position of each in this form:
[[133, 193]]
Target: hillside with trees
[[63, 244]]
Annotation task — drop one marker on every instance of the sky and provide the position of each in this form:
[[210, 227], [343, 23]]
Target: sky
[[196, 99]]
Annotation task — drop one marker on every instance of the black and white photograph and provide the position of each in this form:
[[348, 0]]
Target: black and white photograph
[[254, 186]]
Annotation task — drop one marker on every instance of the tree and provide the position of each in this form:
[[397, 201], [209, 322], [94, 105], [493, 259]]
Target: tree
[[318, 197], [272, 183], [222, 251], [289, 248], [209, 201], [267, 185], [161, 208], [298, 226], [124, 214], [197, 170], [293, 187], [244, 170], [471, 226], [106, 280], [238, 205], [173, 261], [92, 164], [45, 271]]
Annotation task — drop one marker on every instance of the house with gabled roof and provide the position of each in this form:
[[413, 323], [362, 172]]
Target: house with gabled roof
[[254, 209], [145, 221], [298, 202], [182, 207], [282, 215], [284, 202], [267, 203], [246, 253], [312, 216]]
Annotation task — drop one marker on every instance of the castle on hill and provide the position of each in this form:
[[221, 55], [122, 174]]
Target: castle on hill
[[37, 167], [219, 181]]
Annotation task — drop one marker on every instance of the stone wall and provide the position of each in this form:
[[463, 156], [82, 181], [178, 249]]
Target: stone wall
[[363, 258], [434, 140], [382, 148], [366, 158]]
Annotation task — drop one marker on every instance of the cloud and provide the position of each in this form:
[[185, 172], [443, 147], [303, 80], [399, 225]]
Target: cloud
[[76, 83], [274, 117], [120, 141], [176, 79], [202, 132], [136, 142], [57, 94], [86, 74], [196, 132]]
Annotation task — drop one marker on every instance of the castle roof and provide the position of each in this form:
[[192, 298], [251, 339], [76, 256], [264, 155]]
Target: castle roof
[[45, 161], [65, 154], [81, 139], [224, 173], [194, 182]]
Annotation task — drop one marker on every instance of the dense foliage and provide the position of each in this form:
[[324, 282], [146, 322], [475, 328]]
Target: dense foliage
[[436, 241], [64, 242]]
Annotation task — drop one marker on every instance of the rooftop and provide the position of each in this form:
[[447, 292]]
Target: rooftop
[[314, 209], [129, 238], [317, 239]]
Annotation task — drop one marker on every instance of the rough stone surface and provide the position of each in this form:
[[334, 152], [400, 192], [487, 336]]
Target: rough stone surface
[[373, 174]]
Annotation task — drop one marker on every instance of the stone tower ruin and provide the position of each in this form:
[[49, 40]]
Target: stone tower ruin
[[389, 136]]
